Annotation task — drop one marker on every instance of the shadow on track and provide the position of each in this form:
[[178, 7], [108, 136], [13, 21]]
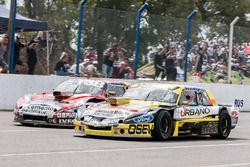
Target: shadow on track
[[171, 140], [43, 126]]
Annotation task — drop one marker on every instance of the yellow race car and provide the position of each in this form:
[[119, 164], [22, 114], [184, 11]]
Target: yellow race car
[[160, 111]]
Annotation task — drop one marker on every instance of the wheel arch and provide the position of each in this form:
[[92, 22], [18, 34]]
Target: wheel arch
[[223, 108], [170, 110]]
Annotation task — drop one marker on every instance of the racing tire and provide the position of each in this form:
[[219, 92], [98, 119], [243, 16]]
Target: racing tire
[[224, 126], [163, 127]]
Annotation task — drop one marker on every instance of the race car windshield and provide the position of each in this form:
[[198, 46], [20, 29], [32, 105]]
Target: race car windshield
[[90, 87], [68, 86], [75, 86], [137, 93], [160, 95]]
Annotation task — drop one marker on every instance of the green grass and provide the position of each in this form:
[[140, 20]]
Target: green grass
[[236, 79], [210, 77]]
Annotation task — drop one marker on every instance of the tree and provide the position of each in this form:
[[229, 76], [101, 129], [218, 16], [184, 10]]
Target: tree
[[2, 2], [112, 21]]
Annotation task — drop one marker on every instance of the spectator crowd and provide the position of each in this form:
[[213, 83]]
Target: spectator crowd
[[115, 64], [204, 59], [30, 54], [115, 60]]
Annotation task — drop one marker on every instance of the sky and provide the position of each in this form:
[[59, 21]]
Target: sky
[[8, 3]]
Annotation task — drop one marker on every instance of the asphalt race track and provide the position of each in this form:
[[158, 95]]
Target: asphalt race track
[[22, 146]]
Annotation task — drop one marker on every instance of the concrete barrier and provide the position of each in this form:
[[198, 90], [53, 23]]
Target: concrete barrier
[[14, 86]]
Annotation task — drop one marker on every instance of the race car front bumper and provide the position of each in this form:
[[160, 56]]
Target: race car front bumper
[[122, 130], [20, 119]]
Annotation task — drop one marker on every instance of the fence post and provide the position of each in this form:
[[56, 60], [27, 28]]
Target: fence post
[[12, 37], [189, 17], [82, 3], [138, 34], [231, 33], [47, 51]]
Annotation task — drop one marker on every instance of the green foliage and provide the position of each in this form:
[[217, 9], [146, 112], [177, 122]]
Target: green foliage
[[112, 21]]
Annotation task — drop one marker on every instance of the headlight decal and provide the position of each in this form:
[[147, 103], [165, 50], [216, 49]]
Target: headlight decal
[[144, 118]]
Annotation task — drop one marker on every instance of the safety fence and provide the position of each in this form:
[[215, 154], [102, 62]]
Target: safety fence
[[104, 27]]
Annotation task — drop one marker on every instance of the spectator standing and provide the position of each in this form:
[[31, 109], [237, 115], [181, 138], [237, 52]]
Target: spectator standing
[[199, 59], [107, 66], [3, 50], [118, 55], [62, 65], [40, 39], [158, 64], [171, 70], [32, 57], [17, 47]]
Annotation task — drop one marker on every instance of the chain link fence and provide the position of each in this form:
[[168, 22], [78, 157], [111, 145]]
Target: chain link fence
[[105, 27]]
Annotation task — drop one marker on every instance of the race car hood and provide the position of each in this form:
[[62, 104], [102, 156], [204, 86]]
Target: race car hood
[[113, 115], [47, 102]]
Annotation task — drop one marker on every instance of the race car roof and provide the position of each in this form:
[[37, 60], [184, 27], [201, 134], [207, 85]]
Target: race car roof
[[168, 86], [100, 80]]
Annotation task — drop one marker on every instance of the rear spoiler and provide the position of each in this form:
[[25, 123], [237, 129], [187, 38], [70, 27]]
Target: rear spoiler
[[225, 105]]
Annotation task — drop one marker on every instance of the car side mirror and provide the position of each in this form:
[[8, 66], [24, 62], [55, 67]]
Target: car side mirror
[[185, 103]]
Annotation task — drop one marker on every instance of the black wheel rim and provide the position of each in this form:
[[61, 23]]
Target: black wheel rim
[[164, 125], [225, 125]]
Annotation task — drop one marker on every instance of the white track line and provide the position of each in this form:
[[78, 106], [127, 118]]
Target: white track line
[[229, 165], [3, 131], [30, 130], [122, 149], [243, 126]]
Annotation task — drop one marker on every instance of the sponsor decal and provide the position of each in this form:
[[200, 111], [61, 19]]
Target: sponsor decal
[[194, 111], [110, 121], [65, 121], [91, 120], [38, 109], [65, 115], [108, 113], [198, 90], [143, 118], [239, 103], [100, 121], [140, 129]]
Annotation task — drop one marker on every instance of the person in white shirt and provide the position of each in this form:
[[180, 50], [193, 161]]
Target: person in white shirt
[[82, 67], [91, 69]]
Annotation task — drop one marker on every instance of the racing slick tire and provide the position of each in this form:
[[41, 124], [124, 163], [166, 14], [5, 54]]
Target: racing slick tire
[[224, 126], [163, 127]]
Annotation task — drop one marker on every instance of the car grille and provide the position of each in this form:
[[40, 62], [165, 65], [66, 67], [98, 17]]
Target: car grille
[[35, 117], [99, 128]]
